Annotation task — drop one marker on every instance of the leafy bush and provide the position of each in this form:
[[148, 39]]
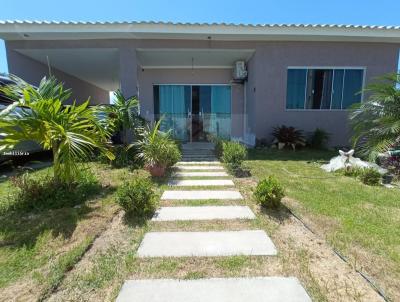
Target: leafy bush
[[269, 193], [288, 137], [35, 192], [157, 148], [370, 176], [350, 171], [319, 139], [233, 154], [124, 157], [137, 198]]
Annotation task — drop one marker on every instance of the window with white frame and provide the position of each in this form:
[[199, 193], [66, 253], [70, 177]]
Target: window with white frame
[[323, 88]]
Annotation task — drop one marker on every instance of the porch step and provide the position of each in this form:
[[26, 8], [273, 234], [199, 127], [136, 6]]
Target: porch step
[[200, 182], [201, 195], [203, 213], [204, 162], [257, 289], [206, 244], [198, 146]]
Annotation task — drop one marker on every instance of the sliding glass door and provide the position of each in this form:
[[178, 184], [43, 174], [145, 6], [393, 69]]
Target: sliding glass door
[[194, 112]]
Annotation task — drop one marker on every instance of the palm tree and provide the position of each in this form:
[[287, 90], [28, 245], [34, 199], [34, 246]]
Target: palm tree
[[39, 114], [376, 121], [123, 114]]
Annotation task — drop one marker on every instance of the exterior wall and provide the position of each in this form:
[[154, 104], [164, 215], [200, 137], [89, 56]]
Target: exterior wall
[[266, 85], [272, 61], [149, 77], [33, 71]]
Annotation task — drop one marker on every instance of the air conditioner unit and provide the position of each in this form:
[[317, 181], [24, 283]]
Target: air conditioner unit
[[240, 72]]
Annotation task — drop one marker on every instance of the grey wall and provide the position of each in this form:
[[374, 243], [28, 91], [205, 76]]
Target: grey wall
[[266, 86], [272, 61], [149, 77], [33, 71]]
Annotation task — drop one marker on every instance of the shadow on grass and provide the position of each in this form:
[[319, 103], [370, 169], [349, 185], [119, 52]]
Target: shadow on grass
[[22, 228], [134, 221], [305, 154], [279, 215]]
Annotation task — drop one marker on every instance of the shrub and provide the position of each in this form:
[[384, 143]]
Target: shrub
[[137, 198], [269, 193], [370, 176], [233, 154], [319, 139], [39, 192], [124, 157], [351, 171], [288, 137]]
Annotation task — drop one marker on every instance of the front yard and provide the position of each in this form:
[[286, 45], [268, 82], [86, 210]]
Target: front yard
[[361, 221], [85, 251]]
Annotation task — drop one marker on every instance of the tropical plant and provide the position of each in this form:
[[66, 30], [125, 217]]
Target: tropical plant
[[157, 149], [137, 198], [40, 114], [376, 121], [319, 139], [269, 192], [288, 137], [123, 114]]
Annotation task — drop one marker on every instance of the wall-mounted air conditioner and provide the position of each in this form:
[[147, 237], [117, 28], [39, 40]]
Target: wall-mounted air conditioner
[[239, 71]]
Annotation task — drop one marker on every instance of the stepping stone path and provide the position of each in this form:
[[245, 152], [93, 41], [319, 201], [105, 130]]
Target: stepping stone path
[[261, 289], [201, 182], [198, 161], [203, 213], [206, 244]]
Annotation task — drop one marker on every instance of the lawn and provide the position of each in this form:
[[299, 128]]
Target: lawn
[[37, 248], [360, 221]]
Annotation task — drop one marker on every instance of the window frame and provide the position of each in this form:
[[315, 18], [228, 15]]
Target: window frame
[[363, 68]]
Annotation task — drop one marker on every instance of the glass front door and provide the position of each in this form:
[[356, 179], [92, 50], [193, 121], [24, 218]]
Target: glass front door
[[194, 112]]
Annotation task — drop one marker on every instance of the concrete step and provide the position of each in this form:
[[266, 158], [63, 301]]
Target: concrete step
[[199, 167], [203, 162], [200, 174], [201, 195], [200, 182], [258, 289], [203, 213], [206, 244]]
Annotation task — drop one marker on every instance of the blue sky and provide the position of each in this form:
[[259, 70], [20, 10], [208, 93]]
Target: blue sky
[[382, 12]]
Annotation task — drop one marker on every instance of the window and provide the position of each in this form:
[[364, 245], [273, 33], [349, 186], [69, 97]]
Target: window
[[326, 89]]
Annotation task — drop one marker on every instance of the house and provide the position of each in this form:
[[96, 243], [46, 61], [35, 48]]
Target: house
[[230, 80]]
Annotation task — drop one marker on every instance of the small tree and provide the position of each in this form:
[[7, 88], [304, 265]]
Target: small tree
[[123, 114], [39, 114], [376, 121]]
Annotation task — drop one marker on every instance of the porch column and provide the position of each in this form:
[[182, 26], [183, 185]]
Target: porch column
[[128, 71]]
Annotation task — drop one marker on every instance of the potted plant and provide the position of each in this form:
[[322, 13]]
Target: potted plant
[[157, 150]]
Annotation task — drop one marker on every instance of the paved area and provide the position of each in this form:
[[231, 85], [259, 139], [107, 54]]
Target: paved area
[[198, 161], [201, 195], [206, 244], [203, 213], [200, 167], [201, 174], [262, 289], [201, 182], [214, 162]]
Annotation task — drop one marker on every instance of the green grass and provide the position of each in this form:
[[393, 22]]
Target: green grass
[[44, 243], [353, 216]]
